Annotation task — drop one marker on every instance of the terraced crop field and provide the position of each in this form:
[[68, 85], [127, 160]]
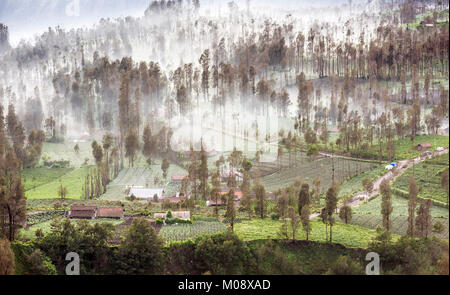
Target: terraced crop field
[[264, 168], [181, 232], [354, 184], [400, 206], [399, 223], [428, 176], [346, 234], [322, 168], [404, 148]]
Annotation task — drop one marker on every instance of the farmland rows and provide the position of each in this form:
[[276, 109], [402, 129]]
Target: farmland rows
[[266, 168], [428, 177], [318, 169], [399, 223], [181, 232]]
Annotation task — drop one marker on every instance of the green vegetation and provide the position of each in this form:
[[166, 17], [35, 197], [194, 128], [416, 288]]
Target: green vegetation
[[345, 234], [36, 218], [399, 223], [181, 232], [354, 184], [400, 206], [73, 181], [428, 176], [30, 232], [322, 168], [309, 257], [65, 151], [34, 177], [404, 148], [31, 261]]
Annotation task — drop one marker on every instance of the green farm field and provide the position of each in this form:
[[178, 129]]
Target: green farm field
[[428, 176], [400, 206], [399, 223], [73, 181], [322, 169], [404, 148], [35, 177], [182, 232], [354, 184], [353, 236]]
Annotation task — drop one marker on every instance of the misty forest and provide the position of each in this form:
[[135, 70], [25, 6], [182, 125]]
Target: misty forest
[[221, 137]]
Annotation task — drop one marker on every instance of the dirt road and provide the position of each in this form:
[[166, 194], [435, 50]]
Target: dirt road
[[402, 166]]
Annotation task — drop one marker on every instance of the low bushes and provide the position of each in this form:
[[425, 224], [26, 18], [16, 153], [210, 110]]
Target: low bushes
[[29, 260], [177, 220]]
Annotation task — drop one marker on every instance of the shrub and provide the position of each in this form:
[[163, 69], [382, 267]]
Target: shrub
[[31, 260], [57, 164], [275, 216], [56, 139], [346, 265], [177, 220], [438, 227]]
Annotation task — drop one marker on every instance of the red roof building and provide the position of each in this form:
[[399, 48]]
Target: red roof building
[[178, 177], [116, 213], [93, 212], [83, 212]]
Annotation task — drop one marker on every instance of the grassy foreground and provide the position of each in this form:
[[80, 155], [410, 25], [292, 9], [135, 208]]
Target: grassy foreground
[[346, 234]]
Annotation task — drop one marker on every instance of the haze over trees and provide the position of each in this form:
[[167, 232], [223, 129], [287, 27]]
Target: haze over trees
[[275, 122]]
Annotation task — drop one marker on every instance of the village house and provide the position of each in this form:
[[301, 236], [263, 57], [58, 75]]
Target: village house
[[175, 199], [237, 193], [93, 212], [114, 213], [213, 203], [82, 212]]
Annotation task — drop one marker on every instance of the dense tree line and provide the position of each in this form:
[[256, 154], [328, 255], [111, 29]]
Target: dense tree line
[[143, 252]]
